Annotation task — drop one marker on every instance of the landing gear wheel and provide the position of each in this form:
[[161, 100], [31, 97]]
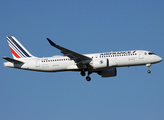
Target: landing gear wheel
[[148, 66], [88, 78], [149, 71], [82, 73]]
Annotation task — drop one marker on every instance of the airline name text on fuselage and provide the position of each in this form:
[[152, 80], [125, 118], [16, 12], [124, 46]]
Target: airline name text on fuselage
[[116, 53]]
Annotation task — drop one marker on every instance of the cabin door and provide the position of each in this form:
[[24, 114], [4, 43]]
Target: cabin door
[[141, 56], [37, 63]]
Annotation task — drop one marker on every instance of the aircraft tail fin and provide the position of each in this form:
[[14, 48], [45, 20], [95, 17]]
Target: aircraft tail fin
[[17, 49]]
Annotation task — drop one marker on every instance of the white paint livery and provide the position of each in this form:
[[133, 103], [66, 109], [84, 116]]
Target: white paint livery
[[104, 64]]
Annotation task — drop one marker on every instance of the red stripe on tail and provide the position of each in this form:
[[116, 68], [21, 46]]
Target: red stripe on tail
[[14, 53]]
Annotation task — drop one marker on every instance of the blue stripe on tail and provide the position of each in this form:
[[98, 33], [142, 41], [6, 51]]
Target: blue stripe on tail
[[27, 55], [16, 49]]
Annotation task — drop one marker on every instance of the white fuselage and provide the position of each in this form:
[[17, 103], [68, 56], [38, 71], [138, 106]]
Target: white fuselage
[[103, 64], [64, 63]]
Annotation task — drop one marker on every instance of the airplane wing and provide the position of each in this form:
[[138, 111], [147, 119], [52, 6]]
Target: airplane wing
[[12, 60], [80, 60]]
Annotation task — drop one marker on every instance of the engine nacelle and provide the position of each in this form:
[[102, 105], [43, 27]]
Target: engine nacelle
[[108, 73], [102, 63], [99, 63]]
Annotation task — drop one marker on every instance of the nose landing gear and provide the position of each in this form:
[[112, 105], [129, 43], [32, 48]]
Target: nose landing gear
[[149, 71], [148, 66]]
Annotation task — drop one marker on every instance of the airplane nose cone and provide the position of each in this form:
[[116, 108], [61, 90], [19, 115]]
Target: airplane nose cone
[[159, 59]]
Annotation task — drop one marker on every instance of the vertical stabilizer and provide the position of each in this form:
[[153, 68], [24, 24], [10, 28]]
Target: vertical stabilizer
[[17, 49]]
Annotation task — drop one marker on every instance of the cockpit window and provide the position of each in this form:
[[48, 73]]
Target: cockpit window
[[150, 53]]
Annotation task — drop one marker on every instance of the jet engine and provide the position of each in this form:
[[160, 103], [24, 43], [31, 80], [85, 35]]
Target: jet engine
[[102, 63], [108, 73], [99, 63]]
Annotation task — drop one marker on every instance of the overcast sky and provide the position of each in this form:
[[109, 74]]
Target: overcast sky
[[84, 26]]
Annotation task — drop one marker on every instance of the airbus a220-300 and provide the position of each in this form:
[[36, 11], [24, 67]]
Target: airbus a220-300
[[104, 64]]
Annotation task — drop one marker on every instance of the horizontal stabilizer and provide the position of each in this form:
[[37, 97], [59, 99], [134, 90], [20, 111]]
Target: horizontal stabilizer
[[12, 60]]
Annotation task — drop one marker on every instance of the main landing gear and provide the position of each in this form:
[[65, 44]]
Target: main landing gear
[[83, 73], [148, 66], [87, 78]]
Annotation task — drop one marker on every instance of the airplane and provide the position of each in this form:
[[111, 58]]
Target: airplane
[[104, 64]]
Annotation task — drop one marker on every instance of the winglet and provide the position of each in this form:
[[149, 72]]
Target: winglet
[[52, 43]]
